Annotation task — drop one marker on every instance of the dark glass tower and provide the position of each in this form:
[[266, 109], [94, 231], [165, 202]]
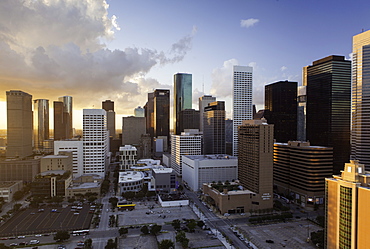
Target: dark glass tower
[[214, 128], [329, 107], [188, 119], [182, 98], [281, 109], [149, 115], [59, 130], [161, 115]]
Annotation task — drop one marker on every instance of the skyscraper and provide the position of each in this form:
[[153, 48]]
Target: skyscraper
[[19, 124], [40, 122], [63, 118], [360, 134], [108, 106], [132, 130], [203, 102], [281, 109], [188, 119], [214, 128], [182, 98], [149, 114], [242, 100], [95, 141], [161, 115], [347, 208], [255, 160], [328, 107], [301, 113], [139, 112]]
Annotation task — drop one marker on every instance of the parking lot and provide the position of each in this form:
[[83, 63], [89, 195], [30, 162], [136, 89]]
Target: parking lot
[[47, 220]]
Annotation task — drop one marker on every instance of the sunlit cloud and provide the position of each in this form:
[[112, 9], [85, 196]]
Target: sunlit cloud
[[248, 22]]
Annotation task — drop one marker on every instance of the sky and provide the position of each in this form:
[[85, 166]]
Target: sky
[[120, 50]]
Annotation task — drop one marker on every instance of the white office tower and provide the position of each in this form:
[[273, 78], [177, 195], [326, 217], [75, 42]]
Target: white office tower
[[242, 100], [203, 102], [95, 141], [360, 135], [188, 143], [76, 147]]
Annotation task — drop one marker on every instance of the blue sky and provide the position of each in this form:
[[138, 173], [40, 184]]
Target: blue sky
[[94, 52]]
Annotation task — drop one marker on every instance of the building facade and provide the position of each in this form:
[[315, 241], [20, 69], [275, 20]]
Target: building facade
[[188, 143], [281, 109], [182, 98], [242, 100], [301, 113], [360, 133], [40, 123], [329, 107], [347, 208], [300, 171], [132, 130], [203, 102], [127, 157], [108, 106], [95, 141], [19, 170], [188, 119], [200, 169], [62, 161], [149, 115], [255, 160], [19, 124], [161, 113], [214, 128], [76, 147]]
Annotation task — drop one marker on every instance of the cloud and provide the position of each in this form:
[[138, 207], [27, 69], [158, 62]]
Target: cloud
[[51, 48], [283, 68], [248, 22], [222, 79]]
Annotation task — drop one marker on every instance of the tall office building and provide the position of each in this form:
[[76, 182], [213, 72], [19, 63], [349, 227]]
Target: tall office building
[[40, 123], [214, 128], [139, 112], [108, 106], [95, 141], [242, 100], [360, 134], [63, 118], [203, 102], [182, 98], [255, 160], [301, 113], [149, 115], [328, 107], [188, 119], [188, 143], [76, 147], [281, 109], [347, 208], [132, 130], [19, 124], [161, 115]]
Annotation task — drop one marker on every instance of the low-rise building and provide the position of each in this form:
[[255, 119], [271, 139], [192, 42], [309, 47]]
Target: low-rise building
[[62, 161], [85, 184], [19, 170], [8, 188], [132, 181], [199, 169], [51, 183], [127, 157], [164, 179]]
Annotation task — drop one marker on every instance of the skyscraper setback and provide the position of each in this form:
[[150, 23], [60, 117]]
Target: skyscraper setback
[[328, 107], [19, 124], [108, 106], [242, 100], [360, 134], [182, 98]]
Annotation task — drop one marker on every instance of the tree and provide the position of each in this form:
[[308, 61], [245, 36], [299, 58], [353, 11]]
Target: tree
[[181, 237], [88, 244], [155, 229], [17, 207], [3, 246], [113, 201], [123, 230], [200, 223], [176, 224], [111, 244], [318, 238], [166, 244], [144, 230], [61, 236], [18, 195], [191, 225]]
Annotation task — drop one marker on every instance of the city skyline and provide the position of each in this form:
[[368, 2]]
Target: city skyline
[[122, 56]]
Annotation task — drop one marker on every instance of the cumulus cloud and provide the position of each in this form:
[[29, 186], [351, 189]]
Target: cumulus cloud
[[248, 22], [51, 48], [222, 79], [283, 68]]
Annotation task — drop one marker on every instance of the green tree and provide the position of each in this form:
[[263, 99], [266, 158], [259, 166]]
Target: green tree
[[88, 244], [123, 230], [176, 224], [18, 195], [191, 225], [113, 201], [200, 223], [155, 229], [111, 244], [3, 246], [61, 236], [166, 244], [144, 230], [17, 207]]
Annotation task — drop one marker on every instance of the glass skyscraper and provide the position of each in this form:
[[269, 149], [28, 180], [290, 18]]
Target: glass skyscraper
[[40, 122], [360, 135], [182, 98]]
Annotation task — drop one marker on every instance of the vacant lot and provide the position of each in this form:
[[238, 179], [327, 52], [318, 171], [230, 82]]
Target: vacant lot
[[35, 221]]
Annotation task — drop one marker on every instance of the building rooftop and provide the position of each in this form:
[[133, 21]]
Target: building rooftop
[[211, 157], [163, 170], [130, 176], [51, 172], [8, 184], [127, 147], [84, 185], [55, 156]]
